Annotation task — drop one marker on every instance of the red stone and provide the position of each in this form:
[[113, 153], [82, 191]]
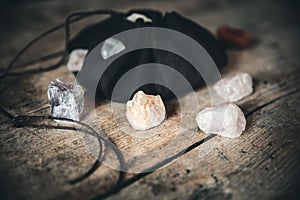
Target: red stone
[[233, 37]]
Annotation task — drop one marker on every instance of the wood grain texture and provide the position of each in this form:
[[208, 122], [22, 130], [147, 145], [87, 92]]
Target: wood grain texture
[[262, 164]]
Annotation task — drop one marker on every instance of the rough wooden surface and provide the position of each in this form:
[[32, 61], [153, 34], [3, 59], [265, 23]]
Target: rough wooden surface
[[262, 164]]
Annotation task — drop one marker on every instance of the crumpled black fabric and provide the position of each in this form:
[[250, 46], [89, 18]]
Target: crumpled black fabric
[[92, 35]]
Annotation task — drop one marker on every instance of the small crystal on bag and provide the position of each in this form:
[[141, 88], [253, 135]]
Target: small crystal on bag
[[226, 120], [145, 111], [234, 87], [76, 60], [66, 99], [134, 16], [110, 47]]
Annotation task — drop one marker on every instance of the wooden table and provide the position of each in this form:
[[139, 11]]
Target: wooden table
[[263, 163]]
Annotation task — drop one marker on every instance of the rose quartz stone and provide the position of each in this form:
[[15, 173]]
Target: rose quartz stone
[[234, 87], [145, 111], [76, 60], [226, 120]]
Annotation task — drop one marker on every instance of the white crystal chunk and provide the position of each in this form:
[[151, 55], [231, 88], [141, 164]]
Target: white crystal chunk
[[110, 47], [76, 60], [234, 87], [66, 99], [134, 16], [145, 111], [226, 120]]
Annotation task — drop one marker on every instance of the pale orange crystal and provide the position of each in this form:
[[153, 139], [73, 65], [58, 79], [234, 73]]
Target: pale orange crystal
[[145, 111]]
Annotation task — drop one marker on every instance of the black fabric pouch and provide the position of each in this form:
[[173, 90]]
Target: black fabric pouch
[[91, 36]]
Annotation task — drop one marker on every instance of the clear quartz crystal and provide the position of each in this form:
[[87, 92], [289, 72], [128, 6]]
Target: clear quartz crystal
[[234, 87], [135, 16], [111, 47], [145, 111], [76, 59], [226, 120], [66, 99]]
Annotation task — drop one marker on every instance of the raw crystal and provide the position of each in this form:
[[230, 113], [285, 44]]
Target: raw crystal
[[110, 47], [234, 87], [66, 99], [145, 111], [76, 59], [134, 16], [226, 120]]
